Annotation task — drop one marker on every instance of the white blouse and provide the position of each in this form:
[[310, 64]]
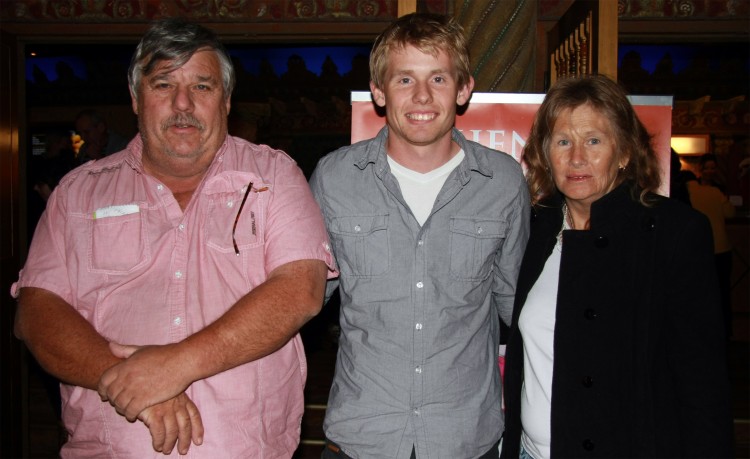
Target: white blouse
[[537, 326]]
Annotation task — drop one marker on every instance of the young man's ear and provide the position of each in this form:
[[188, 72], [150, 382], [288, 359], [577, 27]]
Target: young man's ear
[[378, 96], [464, 94]]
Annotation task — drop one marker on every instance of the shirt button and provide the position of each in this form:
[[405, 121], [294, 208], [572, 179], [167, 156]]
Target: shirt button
[[420, 243], [480, 230], [181, 227], [418, 370], [357, 229], [587, 382], [160, 187], [230, 203], [415, 411], [178, 274], [420, 285], [588, 445], [177, 320], [418, 326], [649, 224]]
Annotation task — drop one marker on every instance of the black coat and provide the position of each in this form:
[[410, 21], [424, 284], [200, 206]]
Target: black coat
[[639, 356]]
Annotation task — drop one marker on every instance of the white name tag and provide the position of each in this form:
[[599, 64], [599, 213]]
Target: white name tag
[[116, 211]]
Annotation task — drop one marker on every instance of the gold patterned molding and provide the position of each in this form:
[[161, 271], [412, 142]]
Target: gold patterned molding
[[203, 10], [235, 20], [706, 116]]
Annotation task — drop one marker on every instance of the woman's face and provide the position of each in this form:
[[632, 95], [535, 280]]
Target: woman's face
[[583, 155]]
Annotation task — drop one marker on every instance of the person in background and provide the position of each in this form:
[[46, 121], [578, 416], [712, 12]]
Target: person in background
[[98, 140], [57, 160], [616, 346], [166, 283], [428, 230], [715, 205], [710, 175], [677, 186]]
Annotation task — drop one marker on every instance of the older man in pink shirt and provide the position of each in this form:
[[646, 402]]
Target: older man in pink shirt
[[166, 283]]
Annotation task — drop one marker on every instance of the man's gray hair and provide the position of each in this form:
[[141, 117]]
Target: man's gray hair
[[176, 40]]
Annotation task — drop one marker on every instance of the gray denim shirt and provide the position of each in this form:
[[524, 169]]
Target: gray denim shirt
[[417, 360]]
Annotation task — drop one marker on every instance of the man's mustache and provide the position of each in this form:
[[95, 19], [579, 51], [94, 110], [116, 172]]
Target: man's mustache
[[183, 121]]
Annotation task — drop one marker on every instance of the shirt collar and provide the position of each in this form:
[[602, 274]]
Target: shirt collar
[[613, 205], [375, 153], [134, 156]]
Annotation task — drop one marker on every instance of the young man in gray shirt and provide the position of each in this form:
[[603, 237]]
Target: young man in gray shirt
[[428, 230]]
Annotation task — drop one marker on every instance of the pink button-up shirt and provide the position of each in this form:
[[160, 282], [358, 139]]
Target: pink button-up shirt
[[115, 244]]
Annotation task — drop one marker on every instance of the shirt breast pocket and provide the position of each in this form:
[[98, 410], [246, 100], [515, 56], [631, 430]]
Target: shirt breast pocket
[[224, 210], [360, 244], [473, 245], [118, 244]]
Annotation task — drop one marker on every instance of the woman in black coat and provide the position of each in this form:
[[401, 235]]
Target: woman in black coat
[[616, 347]]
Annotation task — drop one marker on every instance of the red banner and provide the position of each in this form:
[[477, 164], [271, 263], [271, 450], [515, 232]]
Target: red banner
[[503, 120]]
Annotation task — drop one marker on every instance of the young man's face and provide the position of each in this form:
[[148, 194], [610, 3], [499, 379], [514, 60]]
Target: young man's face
[[182, 114], [420, 94]]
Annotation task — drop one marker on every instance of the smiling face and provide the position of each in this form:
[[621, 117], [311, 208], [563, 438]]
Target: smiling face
[[182, 116], [583, 156], [420, 94]]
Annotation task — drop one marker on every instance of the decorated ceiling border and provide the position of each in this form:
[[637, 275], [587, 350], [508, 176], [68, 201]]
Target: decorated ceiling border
[[99, 11], [129, 11], [660, 9]]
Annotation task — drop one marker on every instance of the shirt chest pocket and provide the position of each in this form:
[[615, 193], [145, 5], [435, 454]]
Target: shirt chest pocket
[[118, 244], [229, 221], [473, 245], [360, 244]]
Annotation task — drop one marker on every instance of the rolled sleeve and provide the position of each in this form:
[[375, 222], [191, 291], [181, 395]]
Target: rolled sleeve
[[46, 265], [292, 209]]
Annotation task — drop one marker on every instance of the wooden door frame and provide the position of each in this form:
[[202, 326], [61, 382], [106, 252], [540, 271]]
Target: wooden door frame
[[12, 367]]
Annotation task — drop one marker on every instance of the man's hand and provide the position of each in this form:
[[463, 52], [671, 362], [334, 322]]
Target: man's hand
[[176, 421], [149, 375]]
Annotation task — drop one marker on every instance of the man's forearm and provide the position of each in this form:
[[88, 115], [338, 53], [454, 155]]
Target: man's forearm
[[61, 340], [257, 325], [262, 321]]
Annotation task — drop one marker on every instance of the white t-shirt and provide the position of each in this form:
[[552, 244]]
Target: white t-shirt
[[421, 190]]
